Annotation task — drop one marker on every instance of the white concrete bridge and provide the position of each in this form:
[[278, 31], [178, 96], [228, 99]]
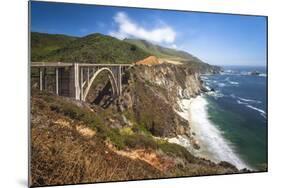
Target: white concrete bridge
[[75, 79]]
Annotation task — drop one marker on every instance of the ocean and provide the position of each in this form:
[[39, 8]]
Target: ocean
[[230, 123]]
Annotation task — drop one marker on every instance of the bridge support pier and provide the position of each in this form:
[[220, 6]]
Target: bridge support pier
[[119, 80], [74, 85], [40, 79], [74, 80], [57, 81], [45, 79], [81, 83]]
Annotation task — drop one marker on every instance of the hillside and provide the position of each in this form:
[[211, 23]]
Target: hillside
[[43, 43], [99, 48], [73, 142], [151, 60], [173, 56], [112, 139], [163, 52], [94, 48]]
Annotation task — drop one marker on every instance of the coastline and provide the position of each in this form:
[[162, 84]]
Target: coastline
[[213, 146]]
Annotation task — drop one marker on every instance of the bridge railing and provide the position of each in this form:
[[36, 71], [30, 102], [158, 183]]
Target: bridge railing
[[71, 78], [61, 64]]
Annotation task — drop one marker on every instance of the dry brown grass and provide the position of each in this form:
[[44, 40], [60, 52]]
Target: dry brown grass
[[63, 152], [151, 60], [152, 157], [68, 146]]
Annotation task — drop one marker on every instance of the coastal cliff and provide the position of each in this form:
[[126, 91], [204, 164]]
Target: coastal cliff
[[132, 130], [109, 138], [151, 96]]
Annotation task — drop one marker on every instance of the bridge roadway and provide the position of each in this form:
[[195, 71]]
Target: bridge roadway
[[75, 79]]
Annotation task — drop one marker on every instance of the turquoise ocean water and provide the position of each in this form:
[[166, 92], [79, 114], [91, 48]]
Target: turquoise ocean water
[[238, 108]]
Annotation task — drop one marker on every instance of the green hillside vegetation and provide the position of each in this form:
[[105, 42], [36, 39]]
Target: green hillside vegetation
[[175, 55], [94, 48], [163, 52], [97, 48], [42, 44]]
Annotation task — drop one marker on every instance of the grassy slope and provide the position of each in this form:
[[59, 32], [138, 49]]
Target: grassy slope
[[60, 154], [98, 48], [162, 52], [63, 151], [172, 54], [94, 48], [42, 44]]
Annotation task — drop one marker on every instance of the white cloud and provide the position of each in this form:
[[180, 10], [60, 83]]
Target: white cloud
[[174, 46], [128, 28]]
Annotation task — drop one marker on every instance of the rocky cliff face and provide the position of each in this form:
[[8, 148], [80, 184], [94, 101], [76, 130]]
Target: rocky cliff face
[[178, 81], [152, 93]]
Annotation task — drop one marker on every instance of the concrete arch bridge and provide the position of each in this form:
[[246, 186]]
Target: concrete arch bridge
[[75, 79]]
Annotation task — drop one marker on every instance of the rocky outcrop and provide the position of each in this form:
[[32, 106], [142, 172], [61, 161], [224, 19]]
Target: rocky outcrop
[[178, 80], [151, 94], [151, 60]]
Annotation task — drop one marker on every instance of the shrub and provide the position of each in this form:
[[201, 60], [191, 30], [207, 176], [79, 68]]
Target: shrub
[[116, 138], [175, 150], [138, 141]]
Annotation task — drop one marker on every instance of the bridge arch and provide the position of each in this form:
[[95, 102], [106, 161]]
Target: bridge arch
[[111, 78]]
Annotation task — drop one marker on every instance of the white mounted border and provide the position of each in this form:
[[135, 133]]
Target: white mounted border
[[14, 95]]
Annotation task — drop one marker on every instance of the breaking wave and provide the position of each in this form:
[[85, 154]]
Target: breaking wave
[[262, 112], [263, 75], [239, 102], [221, 84], [213, 146], [216, 94], [233, 83], [249, 100]]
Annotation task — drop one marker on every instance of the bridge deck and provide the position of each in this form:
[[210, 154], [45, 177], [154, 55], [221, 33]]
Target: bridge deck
[[79, 77], [60, 64]]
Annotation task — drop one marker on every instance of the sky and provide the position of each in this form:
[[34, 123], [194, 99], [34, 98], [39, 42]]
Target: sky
[[219, 39]]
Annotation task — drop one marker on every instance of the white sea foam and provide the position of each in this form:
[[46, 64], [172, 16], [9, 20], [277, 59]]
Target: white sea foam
[[263, 75], [249, 100], [207, 87], [239, 102], [221, 85], [233, 83], [216, 94], [204, 78], [212, 144], [228, 72], [244, 73], [227, 79], [262, 112], [246, 103]]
